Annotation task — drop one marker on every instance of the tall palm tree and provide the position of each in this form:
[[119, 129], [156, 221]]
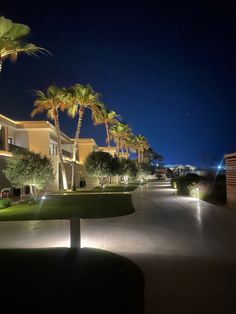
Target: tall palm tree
[[12, 41], [128, 143], [52, 101], [107, 118], [119, 132], [81, 97], [140, 144]]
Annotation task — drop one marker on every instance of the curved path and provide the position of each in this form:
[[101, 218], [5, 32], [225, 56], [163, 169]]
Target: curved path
[[185, 247]]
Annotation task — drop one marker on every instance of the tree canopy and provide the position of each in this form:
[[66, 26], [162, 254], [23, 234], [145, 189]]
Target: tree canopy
[[28, 168], [101, 165], [128, 168], [13, 40]]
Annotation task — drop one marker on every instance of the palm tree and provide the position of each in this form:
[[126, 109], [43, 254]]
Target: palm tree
[[12, 41], [81, 97], [128, 143], [140, 144], [52, 101], [107, 118], [119, 132]]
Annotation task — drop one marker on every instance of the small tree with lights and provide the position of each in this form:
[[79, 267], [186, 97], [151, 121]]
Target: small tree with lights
[[29, 168], [128, 169], [101, 165], [143, 171]]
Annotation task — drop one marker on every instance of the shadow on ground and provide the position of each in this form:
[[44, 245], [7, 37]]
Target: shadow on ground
[[69, 281], [188, 285]]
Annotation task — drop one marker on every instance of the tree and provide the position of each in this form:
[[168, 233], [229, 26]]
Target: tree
[[119, 133], [101, 165], [12, 41], [128, 169], [151, 157], [81, 97], [52, 101], [28, 168], [143, 170], [140, 143], [107, 118]]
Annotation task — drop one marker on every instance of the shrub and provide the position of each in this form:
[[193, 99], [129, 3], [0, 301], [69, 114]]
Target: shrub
[[4, 203], [199, 190], [210, 189], [183, 183]]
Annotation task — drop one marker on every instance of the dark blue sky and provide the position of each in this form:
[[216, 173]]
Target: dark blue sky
[[169, 69]]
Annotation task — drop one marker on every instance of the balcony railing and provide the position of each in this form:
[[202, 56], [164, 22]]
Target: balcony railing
[[14, 148], [66, 153]]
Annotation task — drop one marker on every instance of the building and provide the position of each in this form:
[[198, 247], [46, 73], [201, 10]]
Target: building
[[230, 161], [40, 137]]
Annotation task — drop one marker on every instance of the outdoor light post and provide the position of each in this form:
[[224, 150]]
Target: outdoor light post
[[75, 239], [73, 188]]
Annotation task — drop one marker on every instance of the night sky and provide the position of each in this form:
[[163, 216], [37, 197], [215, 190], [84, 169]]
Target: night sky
[[168, 68]]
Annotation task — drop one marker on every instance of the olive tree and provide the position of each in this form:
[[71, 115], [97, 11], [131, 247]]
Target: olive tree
[[29, 168], [128, 169], [101, 165], [143, 170]]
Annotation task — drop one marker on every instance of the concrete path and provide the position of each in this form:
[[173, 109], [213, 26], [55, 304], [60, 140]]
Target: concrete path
[[185, 247]]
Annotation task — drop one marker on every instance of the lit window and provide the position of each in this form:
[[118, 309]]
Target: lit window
[[52, 149], [10, 140]]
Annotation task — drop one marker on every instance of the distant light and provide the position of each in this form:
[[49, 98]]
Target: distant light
[[43, 197], [219, 167]]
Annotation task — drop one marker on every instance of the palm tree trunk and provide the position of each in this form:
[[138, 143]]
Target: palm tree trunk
[[63, 170], [122, 148], [117, 145], [127, 152], [108, 135], [77, 134], [0, 65]]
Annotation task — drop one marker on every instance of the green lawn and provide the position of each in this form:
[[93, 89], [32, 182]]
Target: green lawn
[[109, 188], [65, 206], [117, 188]]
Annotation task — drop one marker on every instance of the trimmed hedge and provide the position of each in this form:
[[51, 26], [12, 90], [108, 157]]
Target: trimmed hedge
[[182, 183], [211, 189]]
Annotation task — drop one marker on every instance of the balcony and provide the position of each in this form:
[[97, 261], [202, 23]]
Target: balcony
[[65, 153], [14, 148]]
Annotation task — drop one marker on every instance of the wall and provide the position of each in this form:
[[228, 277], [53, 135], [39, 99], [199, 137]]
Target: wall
[[84, 150], [21, 139], [39, 141], [230, 161]]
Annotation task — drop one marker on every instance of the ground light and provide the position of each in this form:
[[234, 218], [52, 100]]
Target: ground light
[[197, 192], [126, 178]]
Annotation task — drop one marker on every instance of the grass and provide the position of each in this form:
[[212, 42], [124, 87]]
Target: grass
[[117, 188], [63, 280], [66, 206]]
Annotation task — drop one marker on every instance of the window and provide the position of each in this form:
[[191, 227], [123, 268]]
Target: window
[[52, 149], [10, 140]]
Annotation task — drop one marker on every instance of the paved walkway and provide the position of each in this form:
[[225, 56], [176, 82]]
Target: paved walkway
[[185, 247]]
